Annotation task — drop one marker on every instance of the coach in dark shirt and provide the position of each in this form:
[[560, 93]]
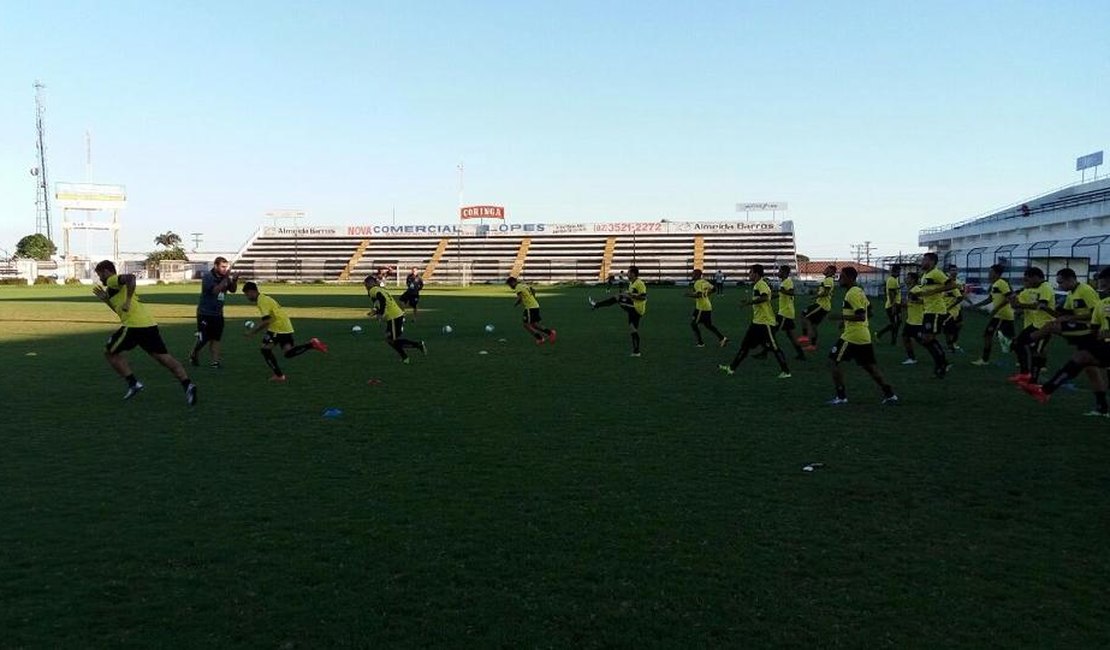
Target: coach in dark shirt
[[210, 310]]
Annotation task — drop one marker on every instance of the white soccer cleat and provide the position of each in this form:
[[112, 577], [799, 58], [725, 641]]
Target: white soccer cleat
[[837, 401], [191, 395], [890, 401], [133, 390], [593, 303], [909, 362], [785, 375]]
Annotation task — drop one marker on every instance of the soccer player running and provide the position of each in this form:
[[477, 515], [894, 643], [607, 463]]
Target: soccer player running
[[855, 341], [1001, 321], [279, 331], [214, 287], [1036, 303], [1079, 323], [785, 318], [138, 328], [934, 284], [634, 304], [703, 310], [387, 309], [762, 330], [915, 316], [526, 298], [414, 284], [818, 310], [893, 304], [955, 323]]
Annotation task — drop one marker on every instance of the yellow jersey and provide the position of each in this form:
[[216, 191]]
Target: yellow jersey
[[1000, 295], [786, 302], [1037, 318], [279, 322], [384, 304], [955, 298], [1082, 302], [1102, 318], [703, 288], [935, 303], [762, 313], [527, 295], [824, 294], [637, 291], [856, 302], [894, 285], [137, 315], [915, 306]]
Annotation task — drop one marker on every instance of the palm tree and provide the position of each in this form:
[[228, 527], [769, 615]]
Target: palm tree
[[169, 239]]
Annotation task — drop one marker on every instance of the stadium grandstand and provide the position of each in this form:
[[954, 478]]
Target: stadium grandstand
[[464, 254], [1067, 227]]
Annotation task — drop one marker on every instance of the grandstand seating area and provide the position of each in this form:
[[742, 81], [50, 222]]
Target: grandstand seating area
[[665, 251]]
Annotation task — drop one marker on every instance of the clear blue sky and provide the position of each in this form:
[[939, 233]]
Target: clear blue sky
[[872, 119]]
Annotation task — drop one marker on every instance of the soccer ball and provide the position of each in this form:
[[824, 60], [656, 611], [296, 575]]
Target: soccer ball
[[357, 329], [249, 324], [447, 329], [489, 329]]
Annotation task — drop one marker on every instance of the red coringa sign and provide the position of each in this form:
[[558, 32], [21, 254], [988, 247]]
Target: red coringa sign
[[482, 212]]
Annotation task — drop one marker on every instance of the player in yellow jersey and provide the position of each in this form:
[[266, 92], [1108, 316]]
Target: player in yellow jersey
[[915, 314], [700, 291], [816, 312], [892, 296], [137, 328], [278, 331], [1001, 323], [855, 341], [1036, 303], [1078, 322], [383, 306], [784, 320], [955, 322], [762, 330], [526, 298], [934, 285], [634, 304]]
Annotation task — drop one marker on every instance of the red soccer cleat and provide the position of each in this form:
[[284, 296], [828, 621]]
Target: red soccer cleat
[[1036, 392], [810, 348], [540, 340], [317, 344], [803, 339], [1020, 378], [551, 337], [277, 378]]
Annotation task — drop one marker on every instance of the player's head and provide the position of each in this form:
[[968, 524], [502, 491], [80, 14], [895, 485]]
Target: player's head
[[696, 274], [755, 272], [415, 271], [633, 272], [250, 290], [1033, 276], [929, 261], [371, 280], [1066, 280], [895, 269], [951, 270], [220, 265], [784, 271], [848, 276], [511, 282], [996, 272], [912, 278], [1104, 279], [830, 270], [105, 270]]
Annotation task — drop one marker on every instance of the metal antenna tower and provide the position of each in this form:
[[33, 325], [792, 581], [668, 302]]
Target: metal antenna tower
[[42, 184]]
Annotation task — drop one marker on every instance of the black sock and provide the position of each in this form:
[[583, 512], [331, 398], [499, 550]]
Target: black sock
[[936, 350], [297, 350], [697, 333], [910, 354], [781, 358], [741, 354], [716, 332], [605, 303], [197, 348], [131, 381], [1039, 364], [635, 342], [399, 347], [271, 361], [841, 391], [987, 352], [1070, 370], [888, 390], [1100, 402], [185, 383]]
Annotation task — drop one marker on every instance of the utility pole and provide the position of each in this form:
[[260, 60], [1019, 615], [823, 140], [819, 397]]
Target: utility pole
[[862, 252], [42, 184], [196, 240]]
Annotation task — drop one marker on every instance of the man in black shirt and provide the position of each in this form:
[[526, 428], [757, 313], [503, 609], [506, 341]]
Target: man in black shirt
[[413, 286], [210, 310]]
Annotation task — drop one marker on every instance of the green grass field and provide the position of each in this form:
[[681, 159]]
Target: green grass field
[[552, 496]]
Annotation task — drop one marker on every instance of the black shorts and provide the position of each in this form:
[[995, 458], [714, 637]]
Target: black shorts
[[532, 316], [395, 328], [894, 313], [862, 353], [281, 340], [410, 298], [954, 323], [702, 317], [784, 323], [633, 315], [911, 332], [127, 338], [210, 328], [815, 314], [999, 325], [1086, 342], [760, 334], [933, 323], [1024, 338]]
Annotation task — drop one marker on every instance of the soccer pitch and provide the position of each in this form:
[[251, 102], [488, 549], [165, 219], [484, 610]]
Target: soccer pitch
[[544, 496]]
